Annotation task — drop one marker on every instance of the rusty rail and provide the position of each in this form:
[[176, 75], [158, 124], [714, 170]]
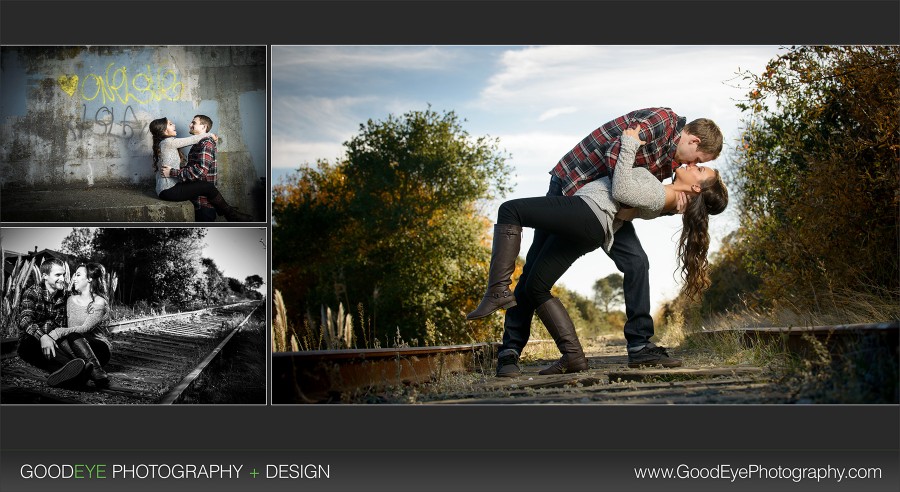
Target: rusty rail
[[323, 375], [798, 338]]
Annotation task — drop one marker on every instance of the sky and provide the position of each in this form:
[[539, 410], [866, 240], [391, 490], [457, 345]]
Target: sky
[[539, 100], [237, 252]]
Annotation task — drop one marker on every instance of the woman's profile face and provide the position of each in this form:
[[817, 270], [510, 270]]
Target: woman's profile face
[[80, 279], [693, 175], [170, 129]]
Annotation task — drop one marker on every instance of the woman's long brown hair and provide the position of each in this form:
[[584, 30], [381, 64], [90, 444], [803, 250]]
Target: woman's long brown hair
[[693, 245], [158, 132]]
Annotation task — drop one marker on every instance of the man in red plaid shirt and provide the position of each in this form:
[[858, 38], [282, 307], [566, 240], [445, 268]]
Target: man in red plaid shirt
[[201, 165], [669, 143]]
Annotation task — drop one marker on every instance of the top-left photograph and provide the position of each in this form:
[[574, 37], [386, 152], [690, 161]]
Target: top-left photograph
[[133, 134]]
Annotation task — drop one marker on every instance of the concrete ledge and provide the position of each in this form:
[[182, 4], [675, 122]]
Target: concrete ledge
[[91, 204]]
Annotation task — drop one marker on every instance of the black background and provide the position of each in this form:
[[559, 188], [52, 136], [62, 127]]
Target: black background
[[452, 448]]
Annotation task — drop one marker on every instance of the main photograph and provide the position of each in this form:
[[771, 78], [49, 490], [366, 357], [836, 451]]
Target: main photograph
[[584, 224]]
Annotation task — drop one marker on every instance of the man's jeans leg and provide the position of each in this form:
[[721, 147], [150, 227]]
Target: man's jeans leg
[[204, 214], [631, 260], [517, 324], [29, 351]]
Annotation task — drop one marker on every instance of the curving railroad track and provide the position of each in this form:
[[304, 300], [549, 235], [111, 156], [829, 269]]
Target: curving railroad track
[[154, 360]]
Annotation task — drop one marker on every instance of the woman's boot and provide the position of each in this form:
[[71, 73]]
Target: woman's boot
[[505, 250], [66, 348], [230, 213], [555, 317], [83, 350]]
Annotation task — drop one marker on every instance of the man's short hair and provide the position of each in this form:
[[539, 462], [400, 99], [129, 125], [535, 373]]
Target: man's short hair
[[206, 120], [48, 264], [709, 133]]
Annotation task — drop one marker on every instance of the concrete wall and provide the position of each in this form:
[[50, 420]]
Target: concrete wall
[[79, 115]]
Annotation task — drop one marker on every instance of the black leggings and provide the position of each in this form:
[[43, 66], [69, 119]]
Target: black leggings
[[630, 259], [575, 230], [189, 190]]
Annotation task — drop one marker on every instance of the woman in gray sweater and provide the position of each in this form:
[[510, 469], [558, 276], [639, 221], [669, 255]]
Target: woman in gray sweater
[[588, 220], [87, 311]]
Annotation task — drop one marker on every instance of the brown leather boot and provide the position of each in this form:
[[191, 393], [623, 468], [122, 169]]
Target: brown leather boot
[[83, 350], [555, 317], [230, 213], [505, 250]]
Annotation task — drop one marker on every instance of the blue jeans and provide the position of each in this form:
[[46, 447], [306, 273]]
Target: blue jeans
[[629, 257]]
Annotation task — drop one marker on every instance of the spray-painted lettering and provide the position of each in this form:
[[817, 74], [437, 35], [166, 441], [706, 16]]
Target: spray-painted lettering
[[115, 85], [104, 123]]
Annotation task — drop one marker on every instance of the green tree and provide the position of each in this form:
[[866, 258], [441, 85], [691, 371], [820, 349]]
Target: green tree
[[394, 228], [609, 291]]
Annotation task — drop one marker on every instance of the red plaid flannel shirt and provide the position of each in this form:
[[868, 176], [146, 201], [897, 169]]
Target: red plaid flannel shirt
[[201, 164], [596, 156], [39, 312]]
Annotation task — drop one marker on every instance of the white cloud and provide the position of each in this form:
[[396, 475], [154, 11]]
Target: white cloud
[[304, 117], [554, 112], [289, 154], [614, 80]]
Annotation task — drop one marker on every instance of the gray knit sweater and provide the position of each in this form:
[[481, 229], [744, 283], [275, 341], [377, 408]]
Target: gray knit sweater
[[632, 186]]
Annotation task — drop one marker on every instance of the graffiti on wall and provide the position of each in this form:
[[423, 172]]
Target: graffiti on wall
[[118, 86], [105, 122]]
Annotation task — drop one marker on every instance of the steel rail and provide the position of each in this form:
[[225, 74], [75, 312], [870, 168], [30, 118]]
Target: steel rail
[[175, 393], [314, 375]]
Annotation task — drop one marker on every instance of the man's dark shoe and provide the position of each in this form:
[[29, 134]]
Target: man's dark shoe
[[508, 364], [67, 372], [650, 356]]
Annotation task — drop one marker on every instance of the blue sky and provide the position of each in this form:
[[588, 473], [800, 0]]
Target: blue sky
[[539, 100]]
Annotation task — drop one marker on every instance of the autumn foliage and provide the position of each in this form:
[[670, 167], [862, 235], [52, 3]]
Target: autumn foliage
[[817, 176], [392, 232]]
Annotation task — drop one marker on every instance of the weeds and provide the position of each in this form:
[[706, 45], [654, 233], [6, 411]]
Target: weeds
[[862, 369]]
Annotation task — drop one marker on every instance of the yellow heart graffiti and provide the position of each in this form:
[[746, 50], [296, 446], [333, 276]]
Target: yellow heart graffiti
[[68, 83]]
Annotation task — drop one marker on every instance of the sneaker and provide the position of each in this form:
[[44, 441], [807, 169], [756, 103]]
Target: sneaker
[[70, 371], [508, 364], [652, 355]]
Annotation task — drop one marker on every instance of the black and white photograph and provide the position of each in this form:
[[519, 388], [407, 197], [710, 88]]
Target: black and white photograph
[[123, 316]]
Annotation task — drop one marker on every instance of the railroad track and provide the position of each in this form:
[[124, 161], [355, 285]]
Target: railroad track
[[154, 360], [464, 374]]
